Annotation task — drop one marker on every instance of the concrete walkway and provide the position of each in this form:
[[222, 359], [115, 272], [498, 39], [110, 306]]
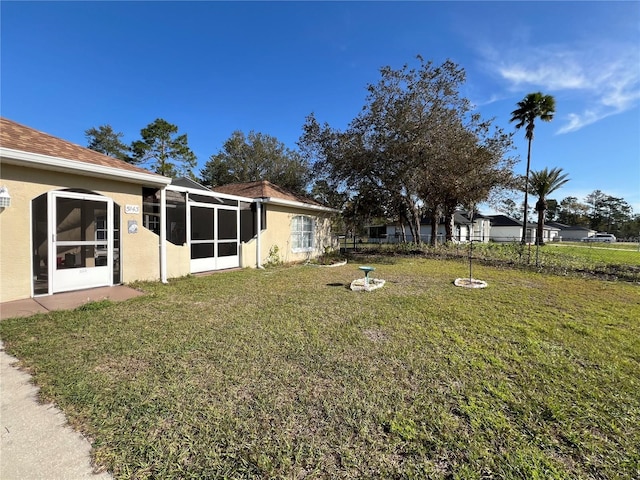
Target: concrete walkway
[[65, 301], [35, 439], [36, 442]]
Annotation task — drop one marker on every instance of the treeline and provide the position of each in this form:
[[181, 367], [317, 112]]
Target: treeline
[[416, 149], [598, 211], [243, 158]]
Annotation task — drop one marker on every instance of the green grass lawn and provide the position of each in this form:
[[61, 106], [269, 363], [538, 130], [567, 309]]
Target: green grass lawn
[[617, 261], [633, 246], [286, 373]]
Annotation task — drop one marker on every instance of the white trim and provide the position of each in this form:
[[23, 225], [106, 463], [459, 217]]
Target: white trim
[[163, 236], [110, 238], [47, 162], [291, 203], [259, 234], [51, 260], [31, 247], [211, 205], [208, 193], [69, 280], [214, 262]]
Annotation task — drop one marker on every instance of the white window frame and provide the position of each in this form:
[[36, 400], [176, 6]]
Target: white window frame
[[151, 221], [298, 235]]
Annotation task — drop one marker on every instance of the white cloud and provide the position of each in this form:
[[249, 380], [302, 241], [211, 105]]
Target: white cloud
[[604, 78], [553, 77], [575, 122]]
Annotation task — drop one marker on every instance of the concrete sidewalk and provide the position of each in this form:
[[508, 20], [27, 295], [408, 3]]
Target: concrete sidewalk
[[65, 301], [35, 440]]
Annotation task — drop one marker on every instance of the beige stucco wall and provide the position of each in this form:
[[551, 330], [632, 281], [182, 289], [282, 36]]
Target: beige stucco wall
[[278, 233], [139, 251], [178, 260]]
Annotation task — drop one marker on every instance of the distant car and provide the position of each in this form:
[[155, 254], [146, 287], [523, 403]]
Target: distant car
[[600, 237]]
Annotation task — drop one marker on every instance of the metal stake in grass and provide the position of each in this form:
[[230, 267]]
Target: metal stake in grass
[[471, 254], [471, 283], [471, 243]]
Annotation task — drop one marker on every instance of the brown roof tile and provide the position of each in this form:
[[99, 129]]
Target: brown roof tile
[[263, 189], [26, 139]]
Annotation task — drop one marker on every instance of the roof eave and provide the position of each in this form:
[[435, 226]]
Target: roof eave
[[209, 193], [58, 164], [291, 203]]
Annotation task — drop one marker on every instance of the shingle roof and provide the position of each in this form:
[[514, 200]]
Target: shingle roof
[[263, 189], [459, 218], [557, 225], [504, 221], [562, 226], [26, 139], [188, 183]]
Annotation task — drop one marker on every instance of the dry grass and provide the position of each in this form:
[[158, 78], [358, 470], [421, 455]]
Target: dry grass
[[286, 373]]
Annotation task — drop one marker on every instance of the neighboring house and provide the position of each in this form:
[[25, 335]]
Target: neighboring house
[[507, 229], [550, 233], [463, 230], [572, 232], [288, 227], [72, 218]]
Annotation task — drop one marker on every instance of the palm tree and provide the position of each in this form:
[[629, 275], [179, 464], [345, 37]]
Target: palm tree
[[543, 183], [534, 105]]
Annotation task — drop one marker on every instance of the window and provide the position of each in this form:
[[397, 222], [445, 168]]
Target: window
[[302, 234], [151, 209], [152, 222]]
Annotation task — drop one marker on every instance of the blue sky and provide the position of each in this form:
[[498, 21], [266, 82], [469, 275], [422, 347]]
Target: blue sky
[[215, 67]]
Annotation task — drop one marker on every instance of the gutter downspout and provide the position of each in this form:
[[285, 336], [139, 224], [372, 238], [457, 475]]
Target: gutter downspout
[[163, 235], [259, 230]]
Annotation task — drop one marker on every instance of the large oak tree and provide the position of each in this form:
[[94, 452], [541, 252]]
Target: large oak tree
[[416, 143], [254, 157]]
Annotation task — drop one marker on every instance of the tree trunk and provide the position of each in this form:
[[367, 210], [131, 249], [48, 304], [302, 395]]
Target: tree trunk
[[414, 222], [434, 228], [414, 226], [540, 208], [402, 238], [448, 227], [526, 195], [449, 223], [416, 238]]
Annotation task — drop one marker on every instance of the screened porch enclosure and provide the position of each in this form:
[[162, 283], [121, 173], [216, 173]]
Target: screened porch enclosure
[[214, 233]]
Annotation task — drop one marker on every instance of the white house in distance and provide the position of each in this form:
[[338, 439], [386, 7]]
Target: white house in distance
[[465, 229], [507, 229], [72, 218], [572, 233]]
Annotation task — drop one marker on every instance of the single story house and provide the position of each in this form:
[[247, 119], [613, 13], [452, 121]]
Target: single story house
[[72, 218], [285, 227], [572, 232], [507, 229], [465, 229]]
